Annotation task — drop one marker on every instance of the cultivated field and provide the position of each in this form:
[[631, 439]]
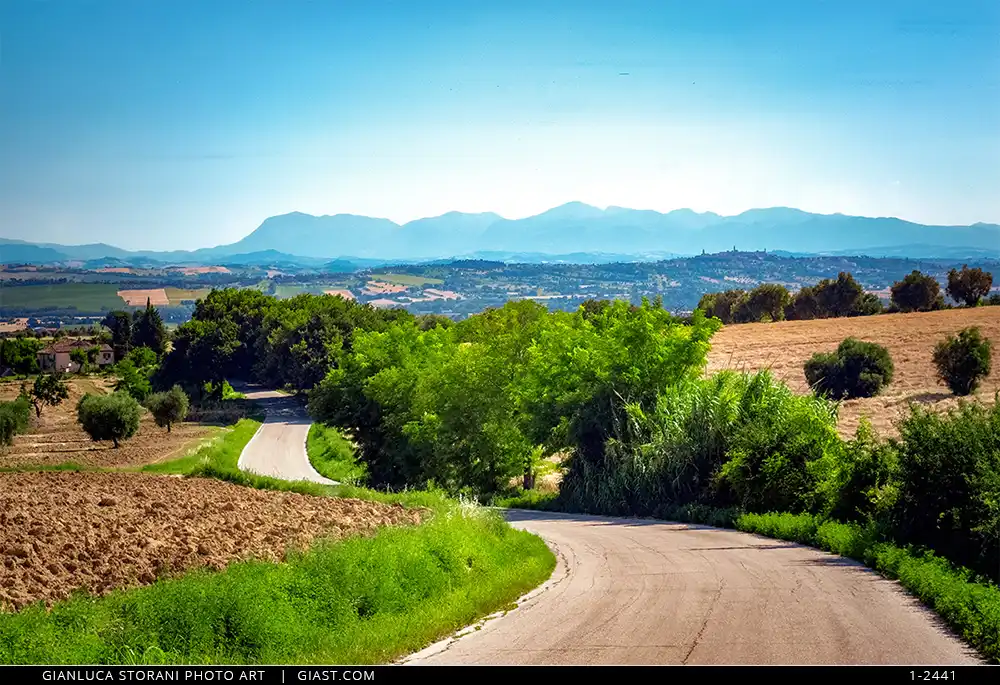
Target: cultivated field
[[178, 295], [91, 297], [784, 347], [407, 279], [137, 298], [56, 437], [61, 532]]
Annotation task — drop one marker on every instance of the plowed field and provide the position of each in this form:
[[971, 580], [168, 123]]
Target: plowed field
[[61, 532]]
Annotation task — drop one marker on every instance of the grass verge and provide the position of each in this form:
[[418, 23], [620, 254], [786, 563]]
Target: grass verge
[[361, 601], [332, 455]]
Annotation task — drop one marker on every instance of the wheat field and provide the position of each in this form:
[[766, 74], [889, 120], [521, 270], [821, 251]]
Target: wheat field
[[783, 347]]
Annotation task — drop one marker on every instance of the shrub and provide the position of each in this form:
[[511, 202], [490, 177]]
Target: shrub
[[169, 407], [14, 418], [855, 369], [993, 300], [112, 417], [963, 360], [917, 292], [949, 483], [969, 286]]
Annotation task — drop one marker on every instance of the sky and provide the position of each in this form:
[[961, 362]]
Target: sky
[[182, 124]]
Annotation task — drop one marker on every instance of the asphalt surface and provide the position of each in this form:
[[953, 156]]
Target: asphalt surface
[[642, 592], [278, 449]]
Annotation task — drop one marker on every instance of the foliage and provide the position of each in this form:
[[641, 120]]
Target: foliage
[[766, 302], [168, 407], [917, 292], [962, 361], [79, 356], [949, 483], [48, 389], [14, 419], [112, 417], [120, 325], [148, 329], [855, 369], [20, 354], [132, 381], [142, 357], [722, 305], [840, 297], [969, 286], [804, 305]]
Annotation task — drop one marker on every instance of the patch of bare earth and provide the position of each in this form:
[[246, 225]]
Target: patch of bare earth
[[95, 532], [56, 436], [785, 346]]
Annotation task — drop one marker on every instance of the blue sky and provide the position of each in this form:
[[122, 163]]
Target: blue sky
[[150, 124]]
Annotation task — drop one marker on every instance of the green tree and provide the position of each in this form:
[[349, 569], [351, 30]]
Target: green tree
[[855, 369], [142, 357], [969, 286], [168, 407], [148, 329], [120, 325], [805, 305], [48, 389], [79, 356], [722, 306], [14, 418], [20, 354], [112, 417], [766, 302], [839, 297], [963, 360], [917, 292], [132, 381]]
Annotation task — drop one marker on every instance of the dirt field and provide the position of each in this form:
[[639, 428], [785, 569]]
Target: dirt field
[[61, 532], [785, 346], [57, 438], [137, 298]]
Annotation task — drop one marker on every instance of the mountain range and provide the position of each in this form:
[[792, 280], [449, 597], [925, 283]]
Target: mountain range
[[571, 232]]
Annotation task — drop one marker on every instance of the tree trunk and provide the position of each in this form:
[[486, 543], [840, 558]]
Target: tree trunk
[[115, 440], [529, 479], [168, 426], [38, 410]]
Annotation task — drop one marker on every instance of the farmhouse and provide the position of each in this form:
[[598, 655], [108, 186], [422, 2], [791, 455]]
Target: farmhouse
[[56, 357]]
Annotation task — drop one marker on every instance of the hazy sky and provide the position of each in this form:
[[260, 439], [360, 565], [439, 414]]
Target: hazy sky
[[153, 124]]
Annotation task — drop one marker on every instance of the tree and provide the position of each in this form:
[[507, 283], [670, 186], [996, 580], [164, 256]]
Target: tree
[[78, 355], [168, 407], [142, 357], [917, 292], [20, 354], [112, 417], [835, 298], [804, 305], [969, 286], [856, 369], [962, 361], [148, 329], [48, 389], [120, 325], [722, 305], [766, 302], [132, 381], [14, 418]]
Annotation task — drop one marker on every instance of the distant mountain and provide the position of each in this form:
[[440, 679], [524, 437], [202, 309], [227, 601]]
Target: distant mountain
[[573, 231]]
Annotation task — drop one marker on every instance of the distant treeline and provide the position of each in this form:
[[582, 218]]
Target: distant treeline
[[844, 296]]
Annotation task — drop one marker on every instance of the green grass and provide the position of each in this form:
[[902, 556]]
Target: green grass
[[90, 297], [366, 600], [406, 279], [332, 455]]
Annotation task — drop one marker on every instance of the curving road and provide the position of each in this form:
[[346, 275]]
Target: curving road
[[278, 448], [643, 592]]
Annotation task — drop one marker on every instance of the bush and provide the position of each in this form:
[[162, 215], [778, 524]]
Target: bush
[[963, 360], [14, 419], [168, 408], [112, 417], [855, 369]]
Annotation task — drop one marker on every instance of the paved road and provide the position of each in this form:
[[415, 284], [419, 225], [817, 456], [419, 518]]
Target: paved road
[[642, 592], [278, 449]]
